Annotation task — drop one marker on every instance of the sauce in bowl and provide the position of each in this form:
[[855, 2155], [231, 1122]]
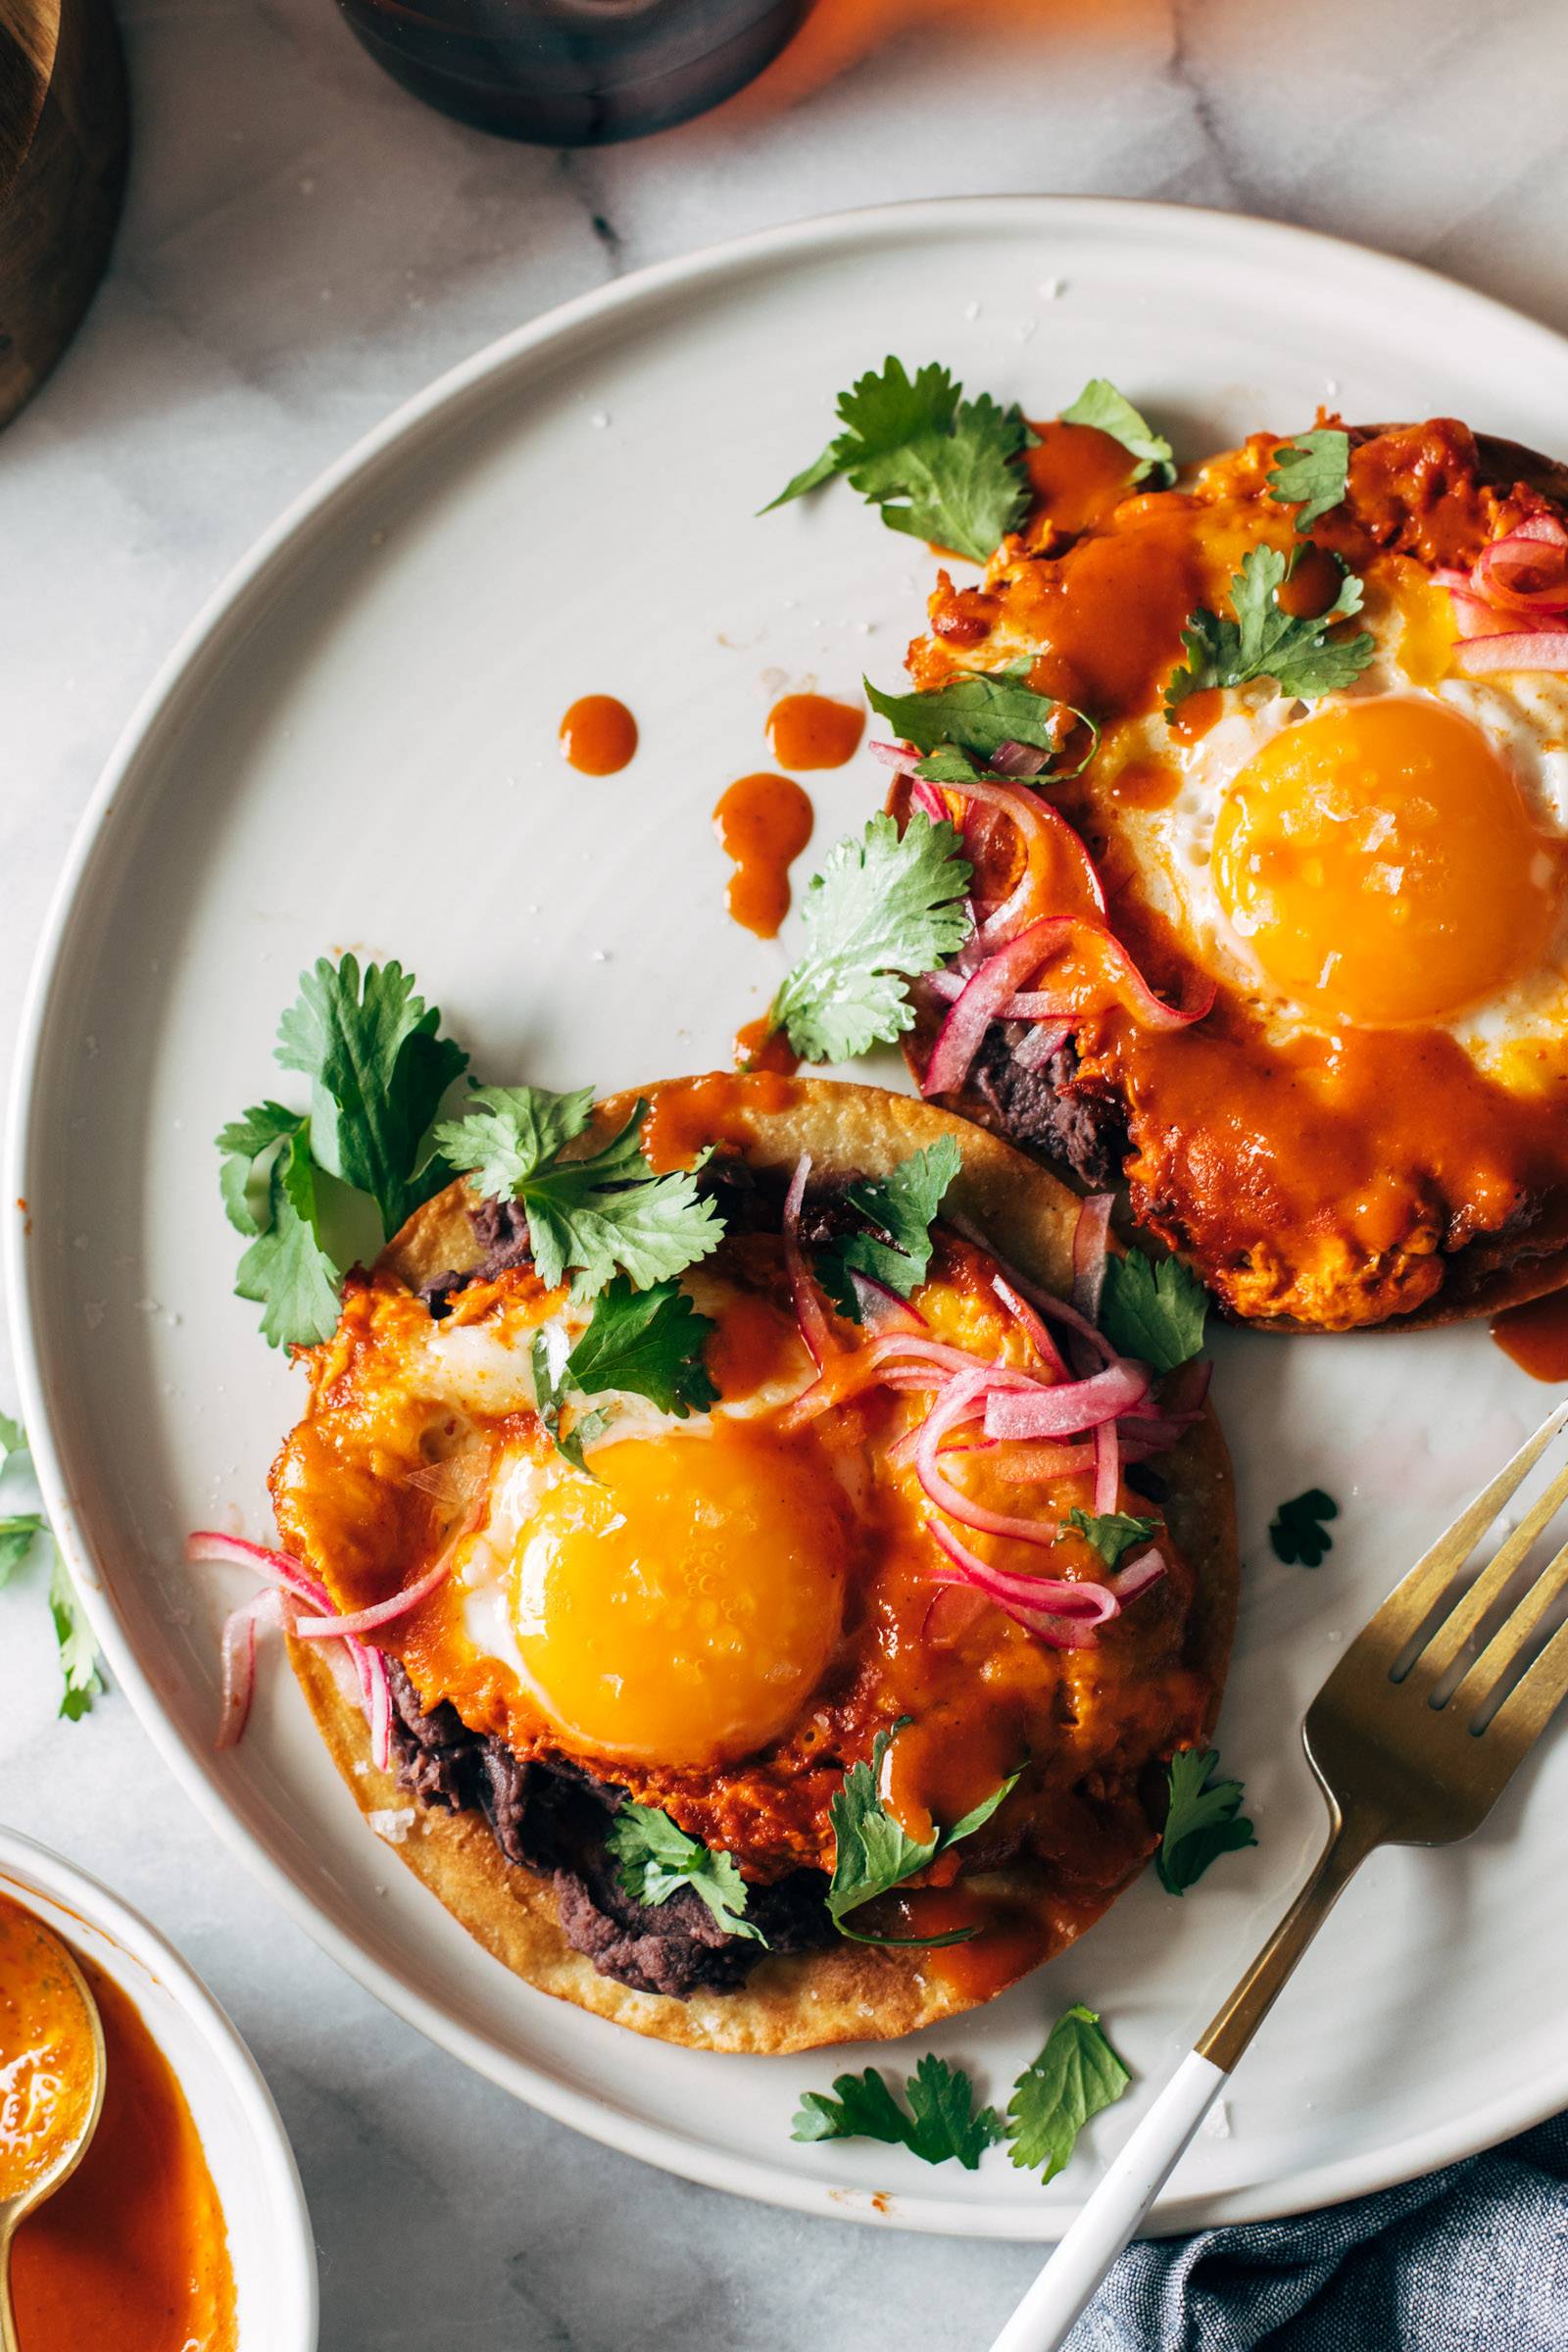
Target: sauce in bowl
[[48, 2055], [131, 2251]]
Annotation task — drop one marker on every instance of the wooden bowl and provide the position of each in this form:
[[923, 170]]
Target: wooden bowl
[[63, 137]]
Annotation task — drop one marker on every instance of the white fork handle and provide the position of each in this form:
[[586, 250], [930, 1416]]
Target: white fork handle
[[1133, 2180]]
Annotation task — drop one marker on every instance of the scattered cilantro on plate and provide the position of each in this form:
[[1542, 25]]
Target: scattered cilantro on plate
[[1263, 640], [1112, 1533], [1154, 1312], [1298, 1530], [874, 1854], [1108, 411], [1075, 2076], [1204, 1821], [598, 1215], [377, 1067], [20, 1533], [885, 908], [898, 1209], [938, 467], [942, 2123], [655, 1860], [1313, 472]]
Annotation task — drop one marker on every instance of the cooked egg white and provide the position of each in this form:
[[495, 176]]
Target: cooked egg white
[[1392, 855]]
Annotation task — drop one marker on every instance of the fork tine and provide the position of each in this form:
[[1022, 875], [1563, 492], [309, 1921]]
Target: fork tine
[[1448, 1638], [1412, 1600], [1520, 1627], [1533, 1700]]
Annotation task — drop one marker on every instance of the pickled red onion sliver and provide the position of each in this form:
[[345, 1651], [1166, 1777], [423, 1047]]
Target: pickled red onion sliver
[[238, 1655], [809, 1312], [1089, 1241], [963, 1399], [1019, 759], [278, 1567], [1068, 1625], [1029, 1322], [1137, 1577], [928, 800], [893, 755], [1518, 570], [1057, 1309], [382, 1612], [1523, 648], [977, 1006], [1108, 1468], [1069, 1410], [882, 1309], [1044, 1040]]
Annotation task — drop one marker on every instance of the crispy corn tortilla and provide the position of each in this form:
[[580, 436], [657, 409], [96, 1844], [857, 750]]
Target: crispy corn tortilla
[[852, 1992]]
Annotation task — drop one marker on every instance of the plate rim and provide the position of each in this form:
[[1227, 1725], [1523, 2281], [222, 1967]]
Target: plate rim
[[197, 656]]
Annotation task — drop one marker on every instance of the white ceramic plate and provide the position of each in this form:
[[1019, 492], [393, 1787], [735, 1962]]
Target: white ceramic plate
[[242, 2136], [356, 746]]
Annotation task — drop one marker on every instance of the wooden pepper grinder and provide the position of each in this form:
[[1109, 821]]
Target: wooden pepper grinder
[[63, 133]]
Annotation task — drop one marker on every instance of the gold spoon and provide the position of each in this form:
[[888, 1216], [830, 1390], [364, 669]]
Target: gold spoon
[[62, 2160]]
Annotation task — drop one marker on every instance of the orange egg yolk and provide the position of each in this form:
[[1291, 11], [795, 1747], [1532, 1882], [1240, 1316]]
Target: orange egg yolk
[[1380, 863], [680, 1606]]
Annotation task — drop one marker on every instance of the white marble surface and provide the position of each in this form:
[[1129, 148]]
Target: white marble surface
[[303, 247]]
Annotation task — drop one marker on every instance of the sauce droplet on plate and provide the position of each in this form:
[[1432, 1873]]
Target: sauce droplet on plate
[[1536, 1336], [758, 1046], [598, 735], [809, 730], [762, 823]]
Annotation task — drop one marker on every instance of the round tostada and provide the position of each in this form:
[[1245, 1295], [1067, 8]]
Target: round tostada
[[1273, 913], [782, 1640]]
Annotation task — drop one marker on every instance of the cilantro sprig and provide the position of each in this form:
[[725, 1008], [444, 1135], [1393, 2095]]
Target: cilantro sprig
[[1204, 1821], [1264, 641], [874, 1853], [1297, 1528], [942, 2123], [885, 908], [935, 465], [377, 1067], [1313, 472], [1154, 1312], [1112, 1533], [1108, 411], [962, 725], [1074, 2077], [655, 1859], [598, 1215], [20, 1533], [644, 1343], [898, 1209]]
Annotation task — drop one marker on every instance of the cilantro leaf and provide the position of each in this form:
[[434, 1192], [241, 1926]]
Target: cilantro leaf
[[245, 1144], [12, 1438], [1205, 1820], [942, 2119], [1154, 1312], [17, 1536], [979, 714], [1112, 1533], [899, 1208], [288, 1270], [883, 909], [79, 1651], [1264, 641], [609, 1214], [939, 467], [874, 1853], [1312, 471], [378, 1068], [507, 1132], [1297, 1532], [1075, 2076], [1108, 411], [547, 1357], [656, 1860], [605, 1214], [648, 1342]]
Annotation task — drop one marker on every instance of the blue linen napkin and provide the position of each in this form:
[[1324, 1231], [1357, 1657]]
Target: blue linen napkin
[[1471, 2259]]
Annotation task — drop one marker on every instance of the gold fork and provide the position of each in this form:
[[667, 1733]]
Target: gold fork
[[1405, 1754]]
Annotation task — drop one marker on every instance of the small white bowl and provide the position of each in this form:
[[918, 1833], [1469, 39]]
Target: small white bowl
[[270, 2240]]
